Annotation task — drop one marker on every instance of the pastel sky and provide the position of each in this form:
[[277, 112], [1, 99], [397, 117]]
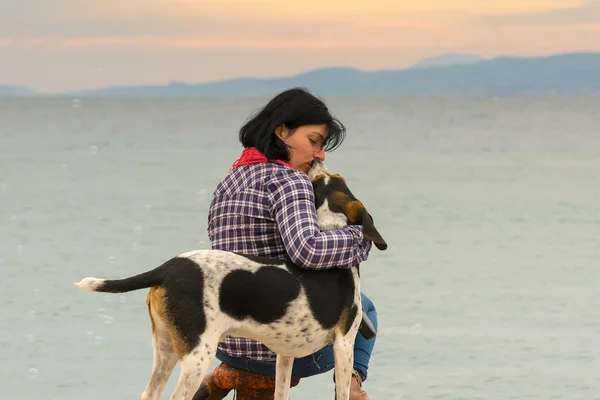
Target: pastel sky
[[55, 45]]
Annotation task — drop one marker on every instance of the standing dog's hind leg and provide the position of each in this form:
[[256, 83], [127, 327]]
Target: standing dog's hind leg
[[164, 359], [343, 355], [283, 377], [194, 366]]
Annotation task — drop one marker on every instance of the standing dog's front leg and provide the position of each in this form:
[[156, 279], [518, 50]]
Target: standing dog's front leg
[[343, 355], [283, 377]]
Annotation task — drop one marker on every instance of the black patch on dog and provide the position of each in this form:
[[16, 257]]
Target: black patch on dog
[[320, 193], [326, 191], [184, 284], [329, 292], [263, 296]]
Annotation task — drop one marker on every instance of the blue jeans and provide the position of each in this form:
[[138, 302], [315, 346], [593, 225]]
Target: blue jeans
[[316, 363]]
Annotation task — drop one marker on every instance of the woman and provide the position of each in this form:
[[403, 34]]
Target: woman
[[265, 207]]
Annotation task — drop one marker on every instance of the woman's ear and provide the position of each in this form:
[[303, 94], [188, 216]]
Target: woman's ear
[[281, 131]]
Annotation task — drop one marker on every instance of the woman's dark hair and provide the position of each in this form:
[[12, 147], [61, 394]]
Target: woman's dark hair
[[293, 108]]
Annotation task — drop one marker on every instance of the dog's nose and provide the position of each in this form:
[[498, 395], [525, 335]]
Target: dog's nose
[[316, 168]]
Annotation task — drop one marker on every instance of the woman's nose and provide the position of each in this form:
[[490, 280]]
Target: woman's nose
[[320, 154]]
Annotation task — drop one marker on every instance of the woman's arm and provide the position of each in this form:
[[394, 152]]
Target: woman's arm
[[293, 207]]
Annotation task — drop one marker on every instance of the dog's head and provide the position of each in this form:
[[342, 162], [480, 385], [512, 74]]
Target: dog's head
[[337, 206]]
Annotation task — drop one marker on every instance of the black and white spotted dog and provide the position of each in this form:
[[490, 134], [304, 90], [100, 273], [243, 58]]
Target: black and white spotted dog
[[199, 297]]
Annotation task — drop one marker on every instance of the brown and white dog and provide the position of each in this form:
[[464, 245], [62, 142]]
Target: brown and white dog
[[198, 297]]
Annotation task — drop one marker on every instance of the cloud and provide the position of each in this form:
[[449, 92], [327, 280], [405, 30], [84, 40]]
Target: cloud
[[222, 42], [581, 15], [221, 21], [63, 18], [189, 24]]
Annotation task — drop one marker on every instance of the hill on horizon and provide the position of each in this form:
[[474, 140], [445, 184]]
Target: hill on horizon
[[15, 90], [571, 73], [447, 59]]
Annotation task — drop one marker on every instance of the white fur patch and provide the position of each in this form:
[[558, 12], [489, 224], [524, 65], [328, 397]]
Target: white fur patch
[[329, 220], [90, 284], [317, 168]]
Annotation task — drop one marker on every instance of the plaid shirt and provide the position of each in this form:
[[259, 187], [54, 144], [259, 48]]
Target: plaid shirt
[[267, 209]]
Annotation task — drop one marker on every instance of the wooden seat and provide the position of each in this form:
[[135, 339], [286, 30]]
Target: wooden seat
[[248, 385]]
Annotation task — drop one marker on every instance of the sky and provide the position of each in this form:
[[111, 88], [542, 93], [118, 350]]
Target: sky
[[62, 45]]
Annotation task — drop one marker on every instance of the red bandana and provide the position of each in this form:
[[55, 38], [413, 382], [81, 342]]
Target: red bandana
[[252, 155]]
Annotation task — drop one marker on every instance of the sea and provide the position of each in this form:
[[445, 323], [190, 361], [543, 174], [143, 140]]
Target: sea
[[489, 289]]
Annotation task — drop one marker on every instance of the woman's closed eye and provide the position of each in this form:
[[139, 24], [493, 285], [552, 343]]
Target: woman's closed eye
[[316, 142]]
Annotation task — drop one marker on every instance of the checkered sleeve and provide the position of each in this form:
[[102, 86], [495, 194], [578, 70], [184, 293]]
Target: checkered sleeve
[[293, 208]]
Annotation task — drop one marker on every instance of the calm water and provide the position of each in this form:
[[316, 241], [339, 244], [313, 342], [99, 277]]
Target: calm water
[[491, 207]]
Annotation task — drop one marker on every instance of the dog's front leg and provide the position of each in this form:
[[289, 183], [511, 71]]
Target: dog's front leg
[[283, 377], [343, 356]]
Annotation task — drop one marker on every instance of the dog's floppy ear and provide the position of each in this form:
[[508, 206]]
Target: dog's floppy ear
[[369, 230], [366, 327]]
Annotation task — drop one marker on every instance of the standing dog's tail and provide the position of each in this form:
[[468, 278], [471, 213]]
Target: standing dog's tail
[[141, 281]]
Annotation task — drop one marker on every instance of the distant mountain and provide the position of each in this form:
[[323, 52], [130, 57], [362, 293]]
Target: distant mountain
[[574, 73], [447, 59], [15, 91], [450, 74]]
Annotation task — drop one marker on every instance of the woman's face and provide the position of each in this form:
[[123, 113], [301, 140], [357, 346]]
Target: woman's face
[[306, 144]]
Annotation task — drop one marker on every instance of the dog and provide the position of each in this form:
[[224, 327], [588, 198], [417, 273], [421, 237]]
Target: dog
[[199, 297]]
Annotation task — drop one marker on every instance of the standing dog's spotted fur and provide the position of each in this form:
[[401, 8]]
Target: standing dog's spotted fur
[[197, 298]]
